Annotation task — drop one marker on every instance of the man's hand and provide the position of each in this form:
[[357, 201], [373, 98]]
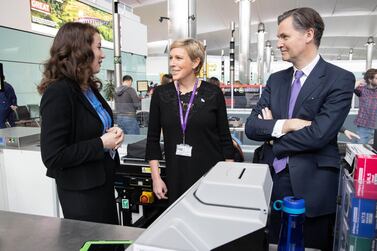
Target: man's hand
[[291, 125], [350, 135], [360, 82], [13, 107], [266, 114]]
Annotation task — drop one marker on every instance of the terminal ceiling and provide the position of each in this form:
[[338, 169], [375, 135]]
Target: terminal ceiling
[[348, 23]]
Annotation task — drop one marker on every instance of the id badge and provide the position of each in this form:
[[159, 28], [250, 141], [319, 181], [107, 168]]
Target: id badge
[[183, 150]]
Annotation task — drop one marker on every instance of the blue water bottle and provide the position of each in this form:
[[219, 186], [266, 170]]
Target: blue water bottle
[[292, 223]]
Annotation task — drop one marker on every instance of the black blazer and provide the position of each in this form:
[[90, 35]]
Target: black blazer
[[71, 147], [325, 99]]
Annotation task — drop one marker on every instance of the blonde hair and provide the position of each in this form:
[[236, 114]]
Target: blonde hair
[[195, 49]]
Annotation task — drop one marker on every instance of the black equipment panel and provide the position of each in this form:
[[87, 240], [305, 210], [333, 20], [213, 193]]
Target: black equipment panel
[[132, 178]]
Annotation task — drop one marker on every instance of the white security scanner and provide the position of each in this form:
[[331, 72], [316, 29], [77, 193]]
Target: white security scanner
[[230, 201]]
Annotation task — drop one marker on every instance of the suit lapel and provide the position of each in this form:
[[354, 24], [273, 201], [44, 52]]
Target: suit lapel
[[312, 82], [285, 92]]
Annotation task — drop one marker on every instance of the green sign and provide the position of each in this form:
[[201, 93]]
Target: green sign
[[125, 204]]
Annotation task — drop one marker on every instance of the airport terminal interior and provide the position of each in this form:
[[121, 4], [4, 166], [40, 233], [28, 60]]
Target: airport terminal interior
[[230, 206]]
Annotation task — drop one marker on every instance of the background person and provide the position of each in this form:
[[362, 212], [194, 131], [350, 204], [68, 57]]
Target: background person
[[367, 116], [193, 119], [78, 140], [8, 101], [299, 116], [166, 79], [215, 81], [126, 104]]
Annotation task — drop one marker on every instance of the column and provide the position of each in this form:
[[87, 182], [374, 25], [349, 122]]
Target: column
[[370, 43], [244, 36], [117, 45], [260, 57]]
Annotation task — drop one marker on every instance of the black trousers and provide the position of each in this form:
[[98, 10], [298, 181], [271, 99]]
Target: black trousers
[[95, 205], [318, 231]]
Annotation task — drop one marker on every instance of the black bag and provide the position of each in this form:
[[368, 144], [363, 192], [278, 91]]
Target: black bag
[[264, 155], [137, 149]]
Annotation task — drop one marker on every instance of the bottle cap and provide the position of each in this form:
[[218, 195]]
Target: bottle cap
[[290, 205]]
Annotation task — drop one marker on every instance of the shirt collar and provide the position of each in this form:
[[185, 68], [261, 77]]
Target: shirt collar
[[308, 69]]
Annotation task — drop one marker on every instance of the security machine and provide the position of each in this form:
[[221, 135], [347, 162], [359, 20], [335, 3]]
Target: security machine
[[230, 201], [19, 136]]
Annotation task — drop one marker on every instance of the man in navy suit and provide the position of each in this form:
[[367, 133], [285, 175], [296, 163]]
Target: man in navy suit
[[299, 116]]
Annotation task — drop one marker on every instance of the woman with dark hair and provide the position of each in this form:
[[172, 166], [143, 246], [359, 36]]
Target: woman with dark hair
[[78, 140], [193, 119]]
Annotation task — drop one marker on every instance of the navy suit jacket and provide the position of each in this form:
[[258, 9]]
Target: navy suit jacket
[[324, 99]]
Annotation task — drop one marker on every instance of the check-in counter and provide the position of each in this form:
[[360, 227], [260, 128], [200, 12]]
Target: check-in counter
[[20, 232], [24, 186]]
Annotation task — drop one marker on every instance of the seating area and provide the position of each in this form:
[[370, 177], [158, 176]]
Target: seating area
[[27, 115]]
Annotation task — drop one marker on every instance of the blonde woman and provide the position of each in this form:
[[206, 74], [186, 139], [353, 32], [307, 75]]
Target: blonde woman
[[193, 119]]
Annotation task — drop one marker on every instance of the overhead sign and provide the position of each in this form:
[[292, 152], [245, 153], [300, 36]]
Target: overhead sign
[[49, 15]]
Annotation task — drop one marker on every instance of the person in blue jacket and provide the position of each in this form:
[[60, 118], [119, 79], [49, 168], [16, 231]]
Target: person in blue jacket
[[8, 101]]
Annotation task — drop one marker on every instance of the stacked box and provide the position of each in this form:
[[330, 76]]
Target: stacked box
[[362, 217], [357, 215], [356, 243], [366, 168]]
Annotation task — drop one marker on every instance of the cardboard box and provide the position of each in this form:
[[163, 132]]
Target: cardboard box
[[366, 168], [362, 217], [352, 150], [365, 189], [356, 243], [363, 159]]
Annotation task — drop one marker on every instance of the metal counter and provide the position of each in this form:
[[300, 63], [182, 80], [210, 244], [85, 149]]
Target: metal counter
[[20, 232]]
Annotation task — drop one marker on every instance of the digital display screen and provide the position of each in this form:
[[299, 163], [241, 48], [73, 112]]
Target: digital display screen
[[142, 85], [106, 245]]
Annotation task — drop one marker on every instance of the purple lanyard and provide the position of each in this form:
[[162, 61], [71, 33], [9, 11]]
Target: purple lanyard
[[184, 121]]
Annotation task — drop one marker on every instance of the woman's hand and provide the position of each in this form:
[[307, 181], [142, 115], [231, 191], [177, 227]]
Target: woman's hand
[[159, 188], [113, 138]]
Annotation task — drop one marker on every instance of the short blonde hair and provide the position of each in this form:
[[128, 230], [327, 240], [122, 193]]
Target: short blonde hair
[[195, 49]]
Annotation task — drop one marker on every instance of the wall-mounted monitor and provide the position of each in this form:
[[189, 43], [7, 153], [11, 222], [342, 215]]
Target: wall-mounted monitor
[[142, 85]]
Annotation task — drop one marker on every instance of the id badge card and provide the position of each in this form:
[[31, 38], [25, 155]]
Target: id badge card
[[183, 150]]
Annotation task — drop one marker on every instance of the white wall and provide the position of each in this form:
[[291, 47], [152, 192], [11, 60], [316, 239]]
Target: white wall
[[155, 66], [16, 14], [133, 36]]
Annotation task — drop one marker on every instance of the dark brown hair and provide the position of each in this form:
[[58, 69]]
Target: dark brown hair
[[369, 75], [71, 56], [304, 19]]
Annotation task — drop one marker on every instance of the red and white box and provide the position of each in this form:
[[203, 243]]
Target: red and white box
[[366, 168], [363, 159], [365, 176]]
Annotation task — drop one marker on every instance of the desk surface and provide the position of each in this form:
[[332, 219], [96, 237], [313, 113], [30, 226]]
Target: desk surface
[[21, 232]]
